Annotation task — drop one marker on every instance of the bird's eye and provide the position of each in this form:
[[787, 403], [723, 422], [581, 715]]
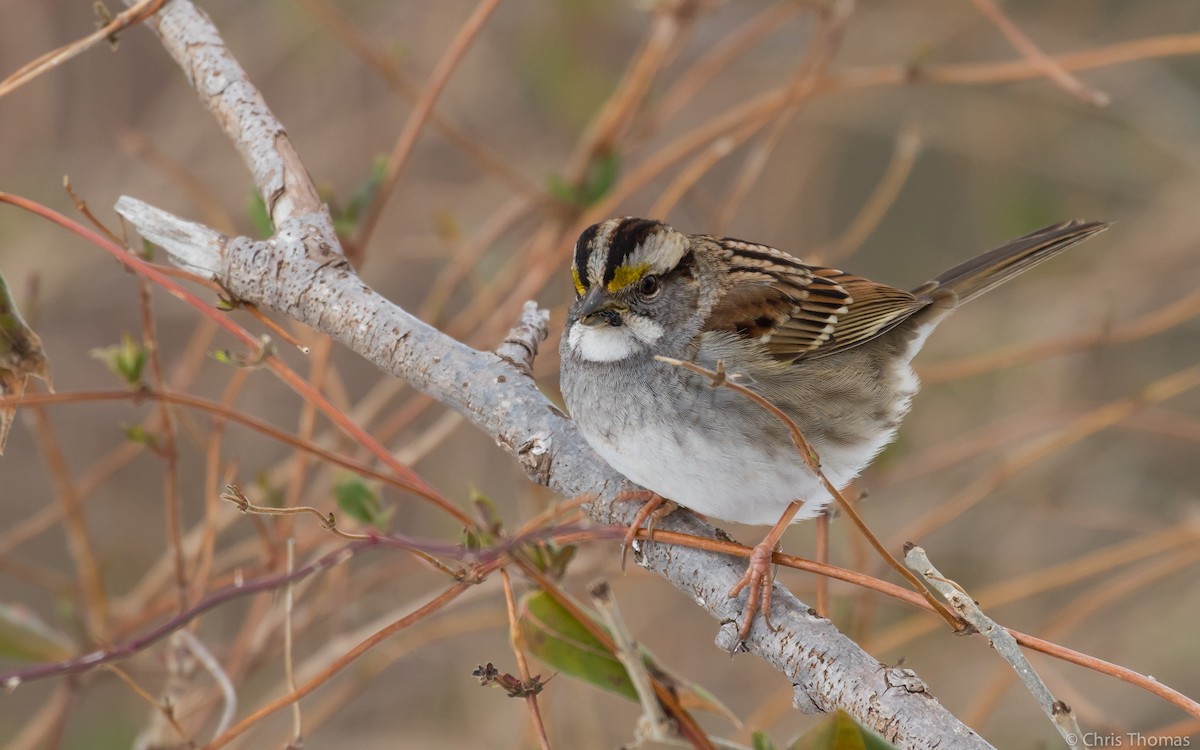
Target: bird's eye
[[649, 286]]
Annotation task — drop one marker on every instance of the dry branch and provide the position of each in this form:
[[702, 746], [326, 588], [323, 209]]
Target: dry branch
[[1001, 640]]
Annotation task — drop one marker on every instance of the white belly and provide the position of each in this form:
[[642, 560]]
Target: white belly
[[705, 450], [737, 484]]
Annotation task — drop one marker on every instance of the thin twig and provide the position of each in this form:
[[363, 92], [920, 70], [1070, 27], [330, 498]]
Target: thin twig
[[79, 539], [821, 554], [446, 65], [213, 479], [1011, 71], [688, 728], [1050, 578], [322, 677], [216, 408], [719, 57], [514, 637], [653, 724], [1150, 324], [1077, 429], [288, 668], [465, 260], [50, 717], [319, 366], [91, 660], [872, 211], [329, 522], [700, 166], [331, 19], [277, 365], [1099, 597], [213, 667], [172, 502], [1034, 54], [1002, 641], [165, 711], [133, 15], [827, 39], [615, 117]]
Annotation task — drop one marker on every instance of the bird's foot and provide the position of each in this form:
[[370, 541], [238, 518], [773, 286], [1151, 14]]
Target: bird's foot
[[758, 580], [656, 507]]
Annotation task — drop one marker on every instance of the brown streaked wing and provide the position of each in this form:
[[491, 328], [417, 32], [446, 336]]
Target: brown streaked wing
[[876, 309], [775, 297], [801, 311]]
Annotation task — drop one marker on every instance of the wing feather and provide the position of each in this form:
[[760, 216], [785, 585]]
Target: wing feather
[[800, 311]]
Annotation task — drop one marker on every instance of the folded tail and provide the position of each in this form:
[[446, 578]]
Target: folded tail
[[991, 269]]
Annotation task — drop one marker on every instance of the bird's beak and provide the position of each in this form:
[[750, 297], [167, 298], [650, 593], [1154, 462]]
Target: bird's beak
[[597, 308]]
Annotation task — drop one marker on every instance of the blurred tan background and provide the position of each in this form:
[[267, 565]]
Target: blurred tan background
[[997, 160]]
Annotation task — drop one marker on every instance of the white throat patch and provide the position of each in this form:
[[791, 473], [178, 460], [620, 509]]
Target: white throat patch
[[605, 343]]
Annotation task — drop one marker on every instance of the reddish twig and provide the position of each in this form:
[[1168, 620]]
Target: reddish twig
[[341, 663], [281, 370], [222, 410], [93, 659], [445, 67], [1023, 44], [535, 714], [131, 16]]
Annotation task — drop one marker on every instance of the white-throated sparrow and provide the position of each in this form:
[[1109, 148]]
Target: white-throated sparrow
[[830, 349]]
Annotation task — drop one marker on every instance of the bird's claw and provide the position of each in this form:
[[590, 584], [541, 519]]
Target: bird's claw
[[758, 580], [656, 506]]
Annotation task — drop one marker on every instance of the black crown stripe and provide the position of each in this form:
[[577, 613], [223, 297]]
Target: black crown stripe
[[583, 250], [628, 235]]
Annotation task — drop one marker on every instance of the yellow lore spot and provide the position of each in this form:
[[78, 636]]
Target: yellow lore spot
[[580, 289], [626, 275]]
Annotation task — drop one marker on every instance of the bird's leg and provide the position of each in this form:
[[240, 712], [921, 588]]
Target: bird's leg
[[656, 507], [758, 573]]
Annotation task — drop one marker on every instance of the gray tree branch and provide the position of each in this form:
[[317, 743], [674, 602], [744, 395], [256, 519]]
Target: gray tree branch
[[301, 273]]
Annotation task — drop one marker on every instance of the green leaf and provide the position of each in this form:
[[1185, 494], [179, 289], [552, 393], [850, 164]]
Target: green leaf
[[259, 217], [248, 360], [24, 636], [359, 501], [601, 176], [125, 360], [760, 741], [356, 500], [485, 511], [487, 533], [136, 433], [555, 637], [471, 541], [365, 195], [272, 496], [345, 220], [841, 732], [551, 558], [561, 191]]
